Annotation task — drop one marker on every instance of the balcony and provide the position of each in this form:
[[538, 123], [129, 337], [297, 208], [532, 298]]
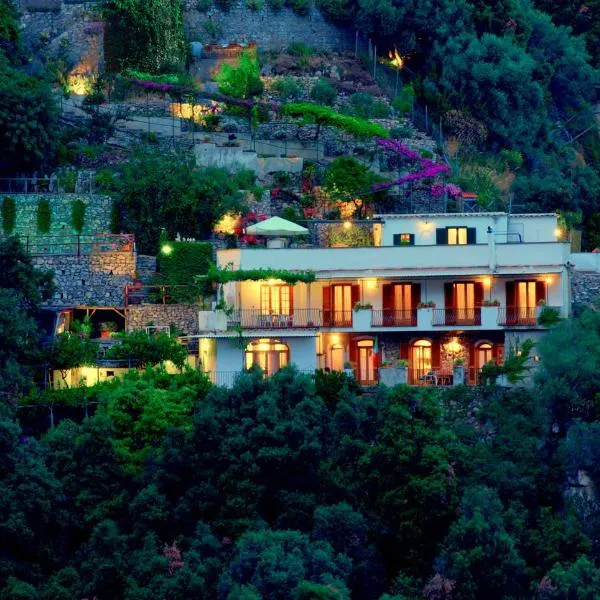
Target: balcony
[[394, 318], [515, 317], [456, 317], [302, 318]]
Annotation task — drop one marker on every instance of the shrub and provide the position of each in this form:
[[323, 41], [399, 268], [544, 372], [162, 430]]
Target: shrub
[[67, 180], [402, 131], [242, 81], [300, 7], [404, 100], [512, 159], [78, 215], [364, 105], [44, 216], [299, 49], [254, 4], [288, 87], [323, 92], [337, 10], [203, 5], [213, 29], [9, 215], [275, 5], [549, 316]]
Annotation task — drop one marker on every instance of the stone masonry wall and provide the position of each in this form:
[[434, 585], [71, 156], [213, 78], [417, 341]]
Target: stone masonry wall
[[270, 30], [183, 316], [97, 279], [70, 29], [585, 287], [97, 213]]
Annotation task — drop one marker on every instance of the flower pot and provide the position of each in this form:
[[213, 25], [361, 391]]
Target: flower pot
[[105, 335]]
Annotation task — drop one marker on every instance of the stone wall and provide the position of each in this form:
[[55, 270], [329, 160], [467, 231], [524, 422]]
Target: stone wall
[[183, 316], [270, 30], [73, 30], [97, 213], [96, 279], [585, 287]]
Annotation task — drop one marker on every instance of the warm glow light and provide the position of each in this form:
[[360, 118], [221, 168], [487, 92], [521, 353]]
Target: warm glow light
[[487, 282], [558, 232], [195, 112], [548, 279], [227, 224], [453, 346], [347, 224], [166, 249], [371, 284], [395, 59], [425, 225], [271, 281], [335, 338], [79, 84]]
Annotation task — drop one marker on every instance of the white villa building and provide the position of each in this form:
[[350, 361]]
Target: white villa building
[[433, 289]]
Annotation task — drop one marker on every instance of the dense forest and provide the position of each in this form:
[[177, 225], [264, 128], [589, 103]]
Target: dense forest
[[291, 487]]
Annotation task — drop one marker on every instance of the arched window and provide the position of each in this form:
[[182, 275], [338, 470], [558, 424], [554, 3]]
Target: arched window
[[268, 354], [484, 354], [421, 357]]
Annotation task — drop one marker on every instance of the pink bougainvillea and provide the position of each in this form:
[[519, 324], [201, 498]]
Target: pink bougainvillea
[[428, 168], [439, 189], [173, 556]]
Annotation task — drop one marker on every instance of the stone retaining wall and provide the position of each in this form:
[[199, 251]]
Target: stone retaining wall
[[183, 316], [585, 287], [271, 30], [97, 279], [70, 30], [97, 213]]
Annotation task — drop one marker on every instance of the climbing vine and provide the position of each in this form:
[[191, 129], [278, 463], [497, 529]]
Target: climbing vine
[[144, 34], [216, 275]]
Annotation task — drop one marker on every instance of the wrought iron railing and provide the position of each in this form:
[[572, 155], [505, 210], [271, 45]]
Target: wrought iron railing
[[77, 245], [514, 315], [136, 294], [255, 318], [337, 318], [394, 318], [456, 316]]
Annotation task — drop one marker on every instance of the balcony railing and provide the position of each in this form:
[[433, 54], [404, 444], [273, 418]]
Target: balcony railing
[[456, 316], [441, 377], [337, 318], [517, 316], [77, 245], [305, 318], [394, 318]]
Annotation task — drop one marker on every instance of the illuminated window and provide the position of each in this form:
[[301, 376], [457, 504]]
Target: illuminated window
[[404, 239], [275, 300], [268, 354], [457, 236]]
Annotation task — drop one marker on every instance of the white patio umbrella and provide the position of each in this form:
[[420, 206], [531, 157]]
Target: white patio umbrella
[[276, 226]]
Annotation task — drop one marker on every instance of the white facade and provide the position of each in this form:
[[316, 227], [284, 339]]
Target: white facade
[[438, 288]]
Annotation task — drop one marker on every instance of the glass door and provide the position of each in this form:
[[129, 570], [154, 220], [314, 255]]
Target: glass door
[[342, 306], [366, 367]]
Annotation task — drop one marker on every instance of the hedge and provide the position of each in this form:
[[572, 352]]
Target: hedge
[[9, 215], [182, 265], [44, 216]]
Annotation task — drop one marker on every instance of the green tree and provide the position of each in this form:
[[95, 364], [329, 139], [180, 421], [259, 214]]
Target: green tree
[[70, 351], [148, 349], [579, 580], [481, 555], [28, 119], [348, 180], [158, 191], [22, 290], [241, 81], [278, 562]]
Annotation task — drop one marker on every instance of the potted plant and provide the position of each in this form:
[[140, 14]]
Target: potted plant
[[83, 328], [348, 369], [428, 304], [107, 329], [393, 373]]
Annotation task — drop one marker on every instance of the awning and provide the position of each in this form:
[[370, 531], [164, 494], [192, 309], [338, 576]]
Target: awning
[[276, 226]]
